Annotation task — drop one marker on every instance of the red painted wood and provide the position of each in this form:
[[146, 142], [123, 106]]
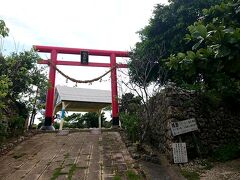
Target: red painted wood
[[94, 52], [50, 91], [52, 72], [75, 63], [114, 86]]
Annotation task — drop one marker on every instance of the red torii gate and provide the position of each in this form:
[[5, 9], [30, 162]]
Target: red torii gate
[[52, 74]]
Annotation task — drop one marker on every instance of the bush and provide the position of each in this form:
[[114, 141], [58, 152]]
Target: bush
[[107, 124], [34, 126], [56, 125], [16, 126], [3, 132], [131, 175], [190, 175], [130, 124], [227, 152], [39, 125]]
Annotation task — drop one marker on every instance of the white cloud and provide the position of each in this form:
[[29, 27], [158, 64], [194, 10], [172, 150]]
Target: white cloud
[[96, 24], [105, 24], [92, 24]]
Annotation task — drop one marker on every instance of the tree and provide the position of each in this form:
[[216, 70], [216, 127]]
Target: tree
[[22, 74], [88, 120], [74, 121], [3, 29], [194, 44], [22, 71], [129, 107], [212, 63], [175, 47], [4, 81], [19, 75], [164, 35], [144, 89], [91, 119], [4, 85], [129, 104]]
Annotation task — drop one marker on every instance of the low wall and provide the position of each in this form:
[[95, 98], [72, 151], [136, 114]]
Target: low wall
[[216, 127]]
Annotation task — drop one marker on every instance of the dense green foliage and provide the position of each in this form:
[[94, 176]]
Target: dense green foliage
[[4, 86], [4, 81], [74, 121], [227, 152], [195, 44], [163, 36], [190, 175], [18, 75], [22, 73], [213, 62], [130, 123], [3, 29], [129, 103], [129, 107], [88, 120]]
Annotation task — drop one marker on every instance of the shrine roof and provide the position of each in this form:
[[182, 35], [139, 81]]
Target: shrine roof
[[81, 99]]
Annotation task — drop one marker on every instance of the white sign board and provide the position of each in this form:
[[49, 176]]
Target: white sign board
[[185, 126], [179, 153]]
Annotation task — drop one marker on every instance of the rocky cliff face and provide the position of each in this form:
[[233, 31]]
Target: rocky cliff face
[[217, 126]]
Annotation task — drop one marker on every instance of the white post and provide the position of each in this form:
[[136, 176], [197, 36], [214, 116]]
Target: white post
[[120, 124], [99, 119], [62, 116]]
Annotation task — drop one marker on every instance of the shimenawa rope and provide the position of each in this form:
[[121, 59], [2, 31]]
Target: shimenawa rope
[[79, 81]]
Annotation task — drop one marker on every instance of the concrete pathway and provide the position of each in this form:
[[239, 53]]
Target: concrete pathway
[[160, 172], [79, 155]]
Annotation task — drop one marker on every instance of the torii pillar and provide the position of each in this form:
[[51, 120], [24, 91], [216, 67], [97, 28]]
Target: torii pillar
[[49, 120], [115, 117]]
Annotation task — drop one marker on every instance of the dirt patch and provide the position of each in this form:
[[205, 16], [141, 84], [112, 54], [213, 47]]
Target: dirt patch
[[152, 164], [206, 170], [13, 142]]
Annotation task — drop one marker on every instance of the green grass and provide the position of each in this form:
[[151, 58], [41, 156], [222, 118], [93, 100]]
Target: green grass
[[17, 156], [227, 152], [66, 155], [116, 177], [190, 175], [56, 173], [207, 165], [71, 171], [131, 175]]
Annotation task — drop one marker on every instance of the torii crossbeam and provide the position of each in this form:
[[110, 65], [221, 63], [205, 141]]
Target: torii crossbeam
[[93, 52]]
